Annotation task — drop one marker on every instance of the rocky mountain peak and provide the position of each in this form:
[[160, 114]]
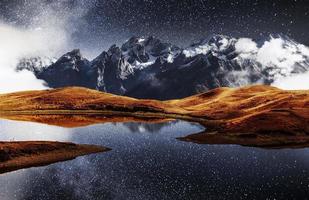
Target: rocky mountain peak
[[149, 68], [73, 55]]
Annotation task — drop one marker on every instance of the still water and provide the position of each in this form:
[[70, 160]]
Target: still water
[[148, 162]]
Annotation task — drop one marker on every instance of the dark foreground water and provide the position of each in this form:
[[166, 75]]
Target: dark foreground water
[[147, 162]]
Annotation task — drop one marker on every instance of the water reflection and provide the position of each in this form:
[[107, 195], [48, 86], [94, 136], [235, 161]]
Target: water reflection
[[73, 121], [152, 164], [138, 127], [23, 131]]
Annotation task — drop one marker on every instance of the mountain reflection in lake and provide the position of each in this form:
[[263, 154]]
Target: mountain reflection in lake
[[147, 162]]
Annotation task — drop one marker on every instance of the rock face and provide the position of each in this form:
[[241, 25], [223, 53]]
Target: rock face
[[69, 70], [149, 68]]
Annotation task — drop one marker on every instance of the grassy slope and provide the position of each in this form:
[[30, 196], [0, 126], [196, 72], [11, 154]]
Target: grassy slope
[[252, 109], [18, 155], [256, 109]]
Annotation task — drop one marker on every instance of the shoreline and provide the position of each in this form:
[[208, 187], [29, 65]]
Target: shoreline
[[26, 154]]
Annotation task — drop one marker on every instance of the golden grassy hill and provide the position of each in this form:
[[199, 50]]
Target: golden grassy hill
[[18, 155], [254, 109], [76, 98]]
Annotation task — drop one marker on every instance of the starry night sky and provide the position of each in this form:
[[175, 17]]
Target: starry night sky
[[98, 24]]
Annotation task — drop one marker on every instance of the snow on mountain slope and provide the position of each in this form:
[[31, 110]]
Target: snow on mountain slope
[[148, 68]]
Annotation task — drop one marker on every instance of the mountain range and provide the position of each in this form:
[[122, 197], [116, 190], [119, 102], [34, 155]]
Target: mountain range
[[151, 69]]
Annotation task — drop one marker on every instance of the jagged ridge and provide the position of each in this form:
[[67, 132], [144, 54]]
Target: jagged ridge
[[149, 68]]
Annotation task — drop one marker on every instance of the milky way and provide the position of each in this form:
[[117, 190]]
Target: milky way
[[98, 24]]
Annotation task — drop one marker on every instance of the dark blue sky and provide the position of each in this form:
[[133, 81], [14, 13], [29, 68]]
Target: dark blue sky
[[98, 24]]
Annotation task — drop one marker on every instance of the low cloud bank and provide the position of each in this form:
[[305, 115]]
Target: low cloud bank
[[287, 60], [18, 43], [296, 82], [44, 29]]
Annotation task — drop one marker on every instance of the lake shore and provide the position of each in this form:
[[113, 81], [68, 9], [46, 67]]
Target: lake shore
[[19, 155]]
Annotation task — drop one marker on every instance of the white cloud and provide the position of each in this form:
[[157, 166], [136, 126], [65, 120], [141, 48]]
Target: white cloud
[[284, 60], [287, 56], [282, 56], [245, 45], [296, 82], [17, 43], [193, 51], [282, 53], [48, 31]]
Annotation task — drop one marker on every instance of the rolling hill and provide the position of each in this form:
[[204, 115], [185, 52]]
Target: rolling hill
[[253, 109]]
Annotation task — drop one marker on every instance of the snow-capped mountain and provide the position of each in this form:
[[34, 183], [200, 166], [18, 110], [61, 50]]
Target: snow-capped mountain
[[149, 68]]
